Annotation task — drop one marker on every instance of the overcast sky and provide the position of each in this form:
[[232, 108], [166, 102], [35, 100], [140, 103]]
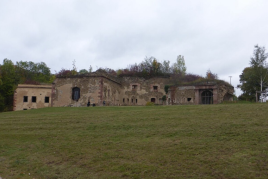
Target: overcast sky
[[211, 34]]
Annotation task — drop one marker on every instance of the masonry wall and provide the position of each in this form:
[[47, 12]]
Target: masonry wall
[[225, 93], [23, 97], [192, 94], [139, 91], [185, 95], [93, 89]]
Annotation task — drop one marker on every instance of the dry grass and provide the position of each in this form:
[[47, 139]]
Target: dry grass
[[205, 141]]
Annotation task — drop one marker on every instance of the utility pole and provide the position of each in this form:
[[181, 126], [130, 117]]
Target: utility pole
[[230, 80]]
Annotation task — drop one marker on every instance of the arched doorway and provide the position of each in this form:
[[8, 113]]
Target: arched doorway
[[207, 97]]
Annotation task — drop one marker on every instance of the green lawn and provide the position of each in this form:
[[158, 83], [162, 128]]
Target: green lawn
[[204, 141]]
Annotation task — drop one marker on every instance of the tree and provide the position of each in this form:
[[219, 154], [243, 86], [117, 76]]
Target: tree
[[90, 70], [253, 78], [258, 64], [8, 80], [166, 69], [35, 72], [179, 67], [211, 76], [83, 71]]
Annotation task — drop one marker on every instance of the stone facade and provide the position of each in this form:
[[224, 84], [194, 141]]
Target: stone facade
[[209, 93], [32, 97], [101, 89]]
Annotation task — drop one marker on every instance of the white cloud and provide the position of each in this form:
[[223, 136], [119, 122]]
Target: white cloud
[[215, 35]]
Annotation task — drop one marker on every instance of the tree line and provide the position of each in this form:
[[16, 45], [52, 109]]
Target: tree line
[[20, 73]]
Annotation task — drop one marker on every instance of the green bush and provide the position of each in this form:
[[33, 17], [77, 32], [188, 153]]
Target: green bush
[[164, 98], [149, 104]]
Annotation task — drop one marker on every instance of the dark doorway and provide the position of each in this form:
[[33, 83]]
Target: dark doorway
[[207, 97], [153, 100], [76, 93]]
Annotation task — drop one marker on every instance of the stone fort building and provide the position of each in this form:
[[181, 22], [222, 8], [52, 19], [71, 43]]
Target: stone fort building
[[103, 89]]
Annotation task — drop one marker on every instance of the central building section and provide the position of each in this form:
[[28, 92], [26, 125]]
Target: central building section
[[101, 89]]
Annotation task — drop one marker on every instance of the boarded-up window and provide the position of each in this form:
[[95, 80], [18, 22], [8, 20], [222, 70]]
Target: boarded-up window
[[33, 99], [76, 93]]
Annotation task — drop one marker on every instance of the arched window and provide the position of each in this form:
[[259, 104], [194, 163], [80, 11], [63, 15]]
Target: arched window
[[76, 93], [207, 97]]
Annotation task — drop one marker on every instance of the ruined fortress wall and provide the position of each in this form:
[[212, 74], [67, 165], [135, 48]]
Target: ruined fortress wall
[[111, 92], [185, 95], [225, 93], [139, 91], [62, 92], [32, 97], [93, 89], [192, 94]]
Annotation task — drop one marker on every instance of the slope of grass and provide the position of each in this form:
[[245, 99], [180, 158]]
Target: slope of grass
[[205, 141]]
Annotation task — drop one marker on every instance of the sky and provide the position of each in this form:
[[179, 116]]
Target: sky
[[211, 35]]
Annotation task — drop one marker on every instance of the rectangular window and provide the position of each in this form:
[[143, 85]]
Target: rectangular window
[[25, 98], [153, 100], [134, 87], [46, 99], [33, 99], [123, 100], [136, 101], [155, 88], [132, 100]]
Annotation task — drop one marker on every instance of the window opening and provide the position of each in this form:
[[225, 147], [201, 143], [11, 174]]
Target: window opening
[[132, 100], [136, 100], [76, 93], [33, 99], [189, 99], [123, 100], [153, 100], [46, 99], [155, 88], [25, 98], [134, 87]]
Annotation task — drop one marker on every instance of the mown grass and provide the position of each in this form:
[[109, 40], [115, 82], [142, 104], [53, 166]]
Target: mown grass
[[204, 141]]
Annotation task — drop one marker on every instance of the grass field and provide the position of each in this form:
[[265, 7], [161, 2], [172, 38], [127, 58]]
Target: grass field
[[204, 141]]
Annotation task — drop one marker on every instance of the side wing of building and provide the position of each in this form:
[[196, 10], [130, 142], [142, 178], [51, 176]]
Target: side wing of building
[[32, 97]]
